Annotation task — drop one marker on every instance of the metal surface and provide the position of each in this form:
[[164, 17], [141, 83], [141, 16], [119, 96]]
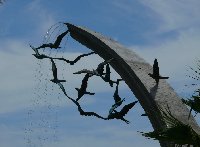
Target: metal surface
[[134, 70]]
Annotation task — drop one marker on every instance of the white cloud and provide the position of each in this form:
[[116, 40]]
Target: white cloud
[[104, 135], [173, 56], [175, 14], [41, 16], [22, 77], [176, 54]]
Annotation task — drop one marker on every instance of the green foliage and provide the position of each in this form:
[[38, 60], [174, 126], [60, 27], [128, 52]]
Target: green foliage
[[176, 132], [194, 103]]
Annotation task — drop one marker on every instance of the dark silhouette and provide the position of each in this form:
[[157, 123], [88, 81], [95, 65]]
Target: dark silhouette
[[37, 54], [56, 44], [55, 77], [82, 90], [194, 104], [117, 98], [156, 74], [62, 88], [98, 71], [42, 56], [106, 78], [86, 113], [93, 72], [144, 114], [122, 113], [100, 67], [75, 60]]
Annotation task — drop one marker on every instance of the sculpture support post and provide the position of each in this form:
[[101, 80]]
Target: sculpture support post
[[134, 71]]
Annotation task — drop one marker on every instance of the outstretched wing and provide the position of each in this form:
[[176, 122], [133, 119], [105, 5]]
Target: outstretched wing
[[86, 113], [59, 38], [84, 71], [93, 114], [54, 69], [68, 61], [79, 57], [45, 45], [84, 81], [126, 108], [163, 77]]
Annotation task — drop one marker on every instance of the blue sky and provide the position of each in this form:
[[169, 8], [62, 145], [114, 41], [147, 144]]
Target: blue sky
[[34, 112]]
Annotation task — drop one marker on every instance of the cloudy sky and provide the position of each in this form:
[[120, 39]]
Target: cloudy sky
[[33, 110]]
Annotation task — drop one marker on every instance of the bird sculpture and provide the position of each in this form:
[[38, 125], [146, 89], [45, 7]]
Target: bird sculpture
[[75, 60], [56, 44], [55, 76], [91, 72], [100, 67], [98, 71], [37, 54], [106, 78], [117, 98], [122, 113], [82, 90], [86, 113], [156, 74]]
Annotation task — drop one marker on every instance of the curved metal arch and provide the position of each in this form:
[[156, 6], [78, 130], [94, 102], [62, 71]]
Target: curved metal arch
[[134, 71]]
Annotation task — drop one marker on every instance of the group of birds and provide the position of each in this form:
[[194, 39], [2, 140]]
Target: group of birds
[[99, 71], [113, 114]]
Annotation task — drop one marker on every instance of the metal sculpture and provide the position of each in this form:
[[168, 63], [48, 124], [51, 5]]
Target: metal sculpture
[[134, 70]]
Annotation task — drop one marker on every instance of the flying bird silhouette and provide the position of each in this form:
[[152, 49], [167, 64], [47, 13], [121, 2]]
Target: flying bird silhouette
[[82, 90], [117, 98], [100, 67], [55, 76], [86, 113], [56, 44], [106, 78], [37, 54], [91, 72], [156, 74], [75, 60], [122, 113], [98, 71]]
